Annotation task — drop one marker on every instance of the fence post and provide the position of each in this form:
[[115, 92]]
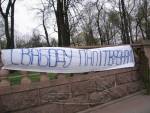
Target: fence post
[[44, 77], [4, 78], [146, 58], [3, 75], [25, 79]]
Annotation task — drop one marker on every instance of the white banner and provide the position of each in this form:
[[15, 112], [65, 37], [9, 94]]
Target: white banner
[[68, 60]]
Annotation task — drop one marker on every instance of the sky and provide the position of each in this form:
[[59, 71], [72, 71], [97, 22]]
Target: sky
[[26, 18]]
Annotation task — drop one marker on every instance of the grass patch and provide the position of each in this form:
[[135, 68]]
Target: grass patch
[[15, 78]]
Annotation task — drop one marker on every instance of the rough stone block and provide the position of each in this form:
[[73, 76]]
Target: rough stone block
[[54, 94], [124, 78], [49, 108], [74, 108], [2, 107], [84, 87], [135, 76], [20, 100], [119, 91], [99, 98], [76, 104], [105, 83], [134, 87], [82, 99]]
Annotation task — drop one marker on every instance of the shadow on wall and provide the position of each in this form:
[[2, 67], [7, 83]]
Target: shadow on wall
[[144, 70]]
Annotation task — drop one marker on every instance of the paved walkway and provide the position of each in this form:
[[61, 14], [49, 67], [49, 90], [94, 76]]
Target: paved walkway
[[136, 104]]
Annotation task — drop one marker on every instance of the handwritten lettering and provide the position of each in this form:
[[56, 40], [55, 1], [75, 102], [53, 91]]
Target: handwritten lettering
[[78, 60]]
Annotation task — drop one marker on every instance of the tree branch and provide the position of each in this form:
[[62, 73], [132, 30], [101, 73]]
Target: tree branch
[[1, 10]]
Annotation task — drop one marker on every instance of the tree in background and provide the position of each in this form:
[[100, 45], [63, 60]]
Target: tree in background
[[124, 22], [61, 13], [2, 33], [88, 26], [35, 40], [44, 14], [85, 22], [9, 30], [99, 8], [2, 27], [143, 19]]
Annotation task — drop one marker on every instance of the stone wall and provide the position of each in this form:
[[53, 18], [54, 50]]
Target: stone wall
[[70, 94]]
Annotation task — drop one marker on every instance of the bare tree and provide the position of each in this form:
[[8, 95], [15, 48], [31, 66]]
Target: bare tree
[[35, 40], [124, 22], [147, 21], [5, 14], [61, 13], [44, 14], [142, 19], [62, 8], [12, 22], [99, 8], [2, 27]]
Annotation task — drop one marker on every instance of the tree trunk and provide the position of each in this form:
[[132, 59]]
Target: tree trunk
[[46, 34], [5, 16], [12, 26], [45, 30], [8, 46], [99, 30], [66, 22], [62, 23], [122, 25], [147, 32], [124, 22]]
